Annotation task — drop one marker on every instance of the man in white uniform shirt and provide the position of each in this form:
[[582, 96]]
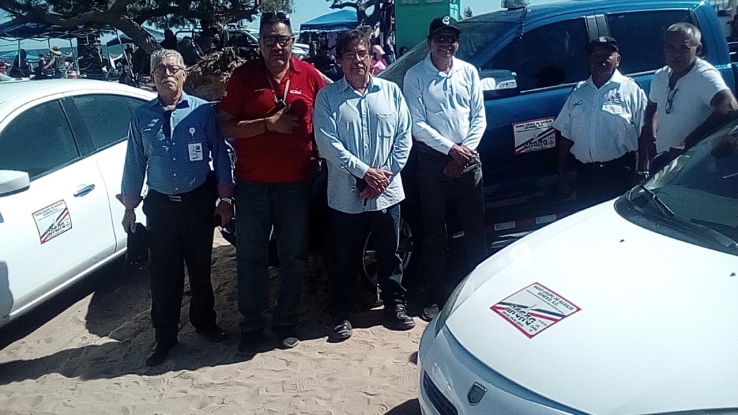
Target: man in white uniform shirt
[[599, 125], [447, 105], [687, 97]]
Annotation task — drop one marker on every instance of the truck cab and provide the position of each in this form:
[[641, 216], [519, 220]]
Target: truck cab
[[529, 59]]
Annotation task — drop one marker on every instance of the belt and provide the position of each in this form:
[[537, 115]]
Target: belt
[[623, 161], [180, 197]]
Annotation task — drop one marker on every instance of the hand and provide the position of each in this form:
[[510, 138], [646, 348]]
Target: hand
[[370, 193], [129, 221], [461, 154], [453, 169], [225, 211], [378, 178], [282, 122], [564, 184]]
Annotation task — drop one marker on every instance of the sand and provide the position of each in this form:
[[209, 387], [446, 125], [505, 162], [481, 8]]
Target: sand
[[86, 356]]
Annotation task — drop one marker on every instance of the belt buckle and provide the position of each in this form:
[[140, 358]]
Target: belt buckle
[[175, 198]]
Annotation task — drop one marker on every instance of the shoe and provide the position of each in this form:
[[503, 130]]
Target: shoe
[[287, 336], [430, 312], [396, 318], [250, 341], [339, 330], [214, 334], [160, 352]]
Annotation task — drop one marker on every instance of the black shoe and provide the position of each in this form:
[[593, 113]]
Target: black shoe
[[250, 341], [214, 334], [160, 352], [430, 312], [396, 318], [339, 330], [287, 336]]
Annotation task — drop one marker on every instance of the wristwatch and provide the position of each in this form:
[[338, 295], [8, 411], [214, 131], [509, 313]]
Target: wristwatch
[[228, 200]]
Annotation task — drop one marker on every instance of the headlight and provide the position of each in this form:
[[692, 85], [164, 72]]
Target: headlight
[[451, 304]]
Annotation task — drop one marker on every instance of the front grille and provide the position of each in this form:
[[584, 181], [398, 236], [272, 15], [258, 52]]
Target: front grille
[[440, 402]]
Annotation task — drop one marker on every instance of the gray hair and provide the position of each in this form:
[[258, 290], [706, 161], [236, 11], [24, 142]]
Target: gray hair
[[688, 29], [160, 54]]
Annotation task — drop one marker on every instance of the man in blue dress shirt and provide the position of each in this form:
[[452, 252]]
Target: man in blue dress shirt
[[171, 142], [362, 128]]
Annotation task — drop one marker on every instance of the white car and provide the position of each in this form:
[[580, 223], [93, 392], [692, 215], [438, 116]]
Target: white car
[[62, 149], [626, 308]]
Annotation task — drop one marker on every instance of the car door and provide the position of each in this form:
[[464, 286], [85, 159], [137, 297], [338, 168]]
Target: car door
[[59, 226], [104, 120], [518, 149]]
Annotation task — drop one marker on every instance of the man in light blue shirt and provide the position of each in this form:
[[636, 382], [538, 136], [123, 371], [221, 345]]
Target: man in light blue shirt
[[362, 127]]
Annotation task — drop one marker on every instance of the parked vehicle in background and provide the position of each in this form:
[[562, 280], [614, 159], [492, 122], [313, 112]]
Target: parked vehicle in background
[[529, 60], [619, 309], [62, 148]]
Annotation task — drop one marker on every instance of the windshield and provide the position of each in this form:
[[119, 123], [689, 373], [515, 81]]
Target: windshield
[[474, 36], [697, 192]]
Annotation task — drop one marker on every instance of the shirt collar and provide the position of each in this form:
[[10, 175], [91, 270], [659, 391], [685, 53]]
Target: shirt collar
[[616, 77], [184, 102], [431, 68], [292, 69], [373, 86]]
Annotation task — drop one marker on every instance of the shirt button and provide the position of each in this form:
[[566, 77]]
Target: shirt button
[[175, 174], [174, 159]]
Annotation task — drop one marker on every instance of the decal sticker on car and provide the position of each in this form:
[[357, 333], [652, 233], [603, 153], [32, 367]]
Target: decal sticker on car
[[534, 309], [534, 135], [52, 221]]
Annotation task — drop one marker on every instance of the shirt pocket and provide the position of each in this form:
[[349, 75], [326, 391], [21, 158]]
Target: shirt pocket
[[386, 123], [618, 110], [576, 109]]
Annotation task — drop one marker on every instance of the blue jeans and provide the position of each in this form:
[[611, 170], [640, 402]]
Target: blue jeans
[[349, 232], [260, 206]]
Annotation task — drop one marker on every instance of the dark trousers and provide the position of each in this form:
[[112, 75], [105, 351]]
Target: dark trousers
[[599, 182], [286, 206], [180, 232], [436, 191], [349, 233]]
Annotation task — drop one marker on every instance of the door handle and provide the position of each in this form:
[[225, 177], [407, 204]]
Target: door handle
[[83, 191]]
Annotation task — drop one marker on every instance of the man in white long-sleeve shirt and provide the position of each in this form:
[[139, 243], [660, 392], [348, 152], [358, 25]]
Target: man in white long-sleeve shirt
[[447, 105]]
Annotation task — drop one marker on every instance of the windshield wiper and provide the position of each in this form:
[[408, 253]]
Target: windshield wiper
[[656, 201], [714, 235]]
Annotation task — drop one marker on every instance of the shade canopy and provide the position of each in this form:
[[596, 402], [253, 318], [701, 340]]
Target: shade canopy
[[157, 34], [23, 28], [332, 22]]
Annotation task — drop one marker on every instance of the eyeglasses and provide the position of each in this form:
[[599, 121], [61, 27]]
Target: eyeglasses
[[270, 17], [357, 54], [670, 100], [446, 39], [273, 40], [162, 69], [166, 125]]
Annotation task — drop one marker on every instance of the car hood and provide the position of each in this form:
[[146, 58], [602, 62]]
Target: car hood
[[653, 327]]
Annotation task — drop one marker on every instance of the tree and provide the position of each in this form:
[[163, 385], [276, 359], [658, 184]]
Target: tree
[[128, 15], [361, 7]]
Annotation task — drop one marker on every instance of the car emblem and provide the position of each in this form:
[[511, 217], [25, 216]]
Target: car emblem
[[476, 393]]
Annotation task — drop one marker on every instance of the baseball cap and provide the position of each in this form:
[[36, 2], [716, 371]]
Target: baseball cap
[[440, 23], [604, 41]]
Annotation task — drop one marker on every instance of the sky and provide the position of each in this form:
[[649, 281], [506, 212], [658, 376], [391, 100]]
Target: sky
[[304, 10]]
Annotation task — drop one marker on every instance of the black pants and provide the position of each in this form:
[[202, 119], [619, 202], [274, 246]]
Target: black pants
[[436, 191], [181, 232], [598, 182]]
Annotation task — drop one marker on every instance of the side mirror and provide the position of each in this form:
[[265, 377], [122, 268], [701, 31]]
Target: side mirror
[[498, 83], [13, 182]]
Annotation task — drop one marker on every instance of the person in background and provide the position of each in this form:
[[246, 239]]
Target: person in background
[[362, 127], [389, 56], [171, 141], [170, 40], [56, 64], [267, 108], [20, 68], [403, 50], [446, 101], [325, 63], [378, 63], [599, 126]]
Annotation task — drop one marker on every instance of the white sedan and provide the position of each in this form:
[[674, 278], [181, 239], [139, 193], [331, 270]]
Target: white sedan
[[627, 308], [62, 147]]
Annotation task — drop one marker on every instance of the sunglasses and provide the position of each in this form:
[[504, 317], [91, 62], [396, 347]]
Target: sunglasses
[[670, 100], [446, 39], [273, 40], [279, 17]]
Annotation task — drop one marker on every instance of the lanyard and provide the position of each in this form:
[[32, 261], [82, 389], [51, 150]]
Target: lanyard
[[274, 90]]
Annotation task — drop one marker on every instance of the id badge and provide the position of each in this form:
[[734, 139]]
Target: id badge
[[195, 150]]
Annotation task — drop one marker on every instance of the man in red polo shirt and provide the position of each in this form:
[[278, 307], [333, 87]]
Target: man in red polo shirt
[[267, 108]]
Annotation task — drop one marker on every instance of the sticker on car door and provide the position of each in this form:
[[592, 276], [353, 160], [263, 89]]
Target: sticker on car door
[[52, 221], [534, 135], [534, 309]]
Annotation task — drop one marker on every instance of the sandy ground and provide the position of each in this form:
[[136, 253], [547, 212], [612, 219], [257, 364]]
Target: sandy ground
[[87, 357]]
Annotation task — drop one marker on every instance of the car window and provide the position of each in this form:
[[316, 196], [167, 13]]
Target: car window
[[37, 141], [546, 56], [642, 50], [106, 117], [133, 103]]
